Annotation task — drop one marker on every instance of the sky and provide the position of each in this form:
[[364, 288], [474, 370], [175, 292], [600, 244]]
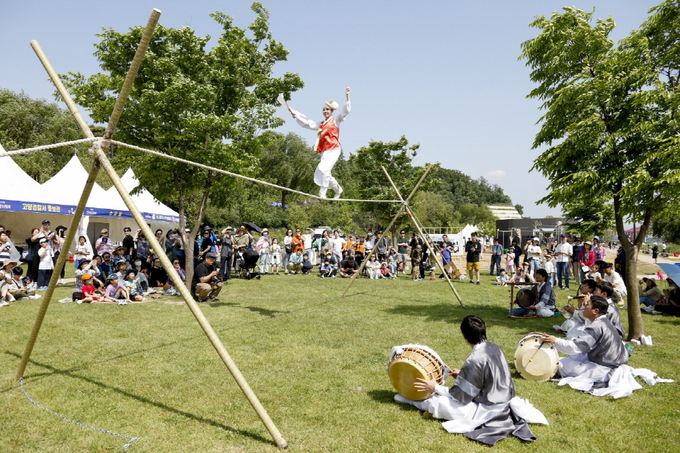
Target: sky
[[445, 74]]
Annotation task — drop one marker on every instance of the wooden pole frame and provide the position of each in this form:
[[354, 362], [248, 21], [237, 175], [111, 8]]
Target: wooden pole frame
[[394, 219], [416, 223], [99, 150]]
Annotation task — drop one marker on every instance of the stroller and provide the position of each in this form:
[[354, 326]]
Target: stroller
[[246, 263]]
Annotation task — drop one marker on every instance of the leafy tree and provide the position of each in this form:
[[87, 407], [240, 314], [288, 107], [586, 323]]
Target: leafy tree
[[432, 210], [287, 160], [26, 122], [458, 189], [480, 216], [667, 226], [520, 209], [372, 184], [607, 122], [205, 104]]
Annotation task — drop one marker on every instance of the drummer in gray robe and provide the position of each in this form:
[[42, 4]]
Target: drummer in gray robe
[[481, 404], [606, 290], [596, 354]]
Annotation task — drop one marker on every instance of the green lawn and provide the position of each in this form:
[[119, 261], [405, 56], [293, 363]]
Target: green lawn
[[317, 363]]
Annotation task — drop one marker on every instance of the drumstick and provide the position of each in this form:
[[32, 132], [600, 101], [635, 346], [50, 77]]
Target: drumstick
[[534, 354]]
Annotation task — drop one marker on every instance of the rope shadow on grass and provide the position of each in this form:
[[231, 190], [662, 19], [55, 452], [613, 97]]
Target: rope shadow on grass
[[144, 400]]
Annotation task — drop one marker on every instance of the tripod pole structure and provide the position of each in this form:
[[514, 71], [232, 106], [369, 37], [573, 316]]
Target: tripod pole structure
[[394, 219], [416, 222], [99, 149]]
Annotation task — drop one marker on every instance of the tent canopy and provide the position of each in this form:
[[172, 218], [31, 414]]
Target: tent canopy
[[25, 202]]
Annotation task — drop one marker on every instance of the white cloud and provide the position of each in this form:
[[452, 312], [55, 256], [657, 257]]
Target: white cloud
[[496, 174]]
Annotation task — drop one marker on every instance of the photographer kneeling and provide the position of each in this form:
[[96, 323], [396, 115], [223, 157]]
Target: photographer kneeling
[[207, 283]]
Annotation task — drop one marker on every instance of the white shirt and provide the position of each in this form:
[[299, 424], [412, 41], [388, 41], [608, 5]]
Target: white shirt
[[564, 247], [533, 252], [337, 245], [615, 279]]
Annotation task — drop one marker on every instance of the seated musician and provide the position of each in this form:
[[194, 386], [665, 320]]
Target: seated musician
[[573, 327], [595, 354], [483, 393], [605, 290], [545, 295]]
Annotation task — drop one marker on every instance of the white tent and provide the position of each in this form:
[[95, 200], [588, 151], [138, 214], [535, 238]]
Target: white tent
[[143, 200], [25, 203], [68, 183]]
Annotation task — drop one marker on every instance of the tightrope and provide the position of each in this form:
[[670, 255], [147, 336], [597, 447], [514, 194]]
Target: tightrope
[[106, 431], [184, 161], [50, 146], [236, 175]]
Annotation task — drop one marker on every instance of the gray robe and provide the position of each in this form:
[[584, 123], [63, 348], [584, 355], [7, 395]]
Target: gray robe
[[615, 318], [602, 343], [485, 379]]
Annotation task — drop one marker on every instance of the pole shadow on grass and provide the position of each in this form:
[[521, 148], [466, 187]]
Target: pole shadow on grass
[[144, 400], [492, 316]]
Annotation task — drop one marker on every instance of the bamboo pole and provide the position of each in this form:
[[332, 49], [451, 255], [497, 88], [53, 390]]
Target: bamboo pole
[[192, 304], [394, 219], [101, 159], [77, 215], [416, 222]]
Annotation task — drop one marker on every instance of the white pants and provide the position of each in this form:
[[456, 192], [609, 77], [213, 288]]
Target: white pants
[[322, 174]]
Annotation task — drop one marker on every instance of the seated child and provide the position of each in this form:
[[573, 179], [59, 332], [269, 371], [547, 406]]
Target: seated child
[[90, 293], [306, 264], [18, 289], [327, 270], [502, 279], [385, 272], [115, 290], [131, 283]]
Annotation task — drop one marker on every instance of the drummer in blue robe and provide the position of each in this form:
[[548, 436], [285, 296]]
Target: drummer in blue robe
[[482, 403]]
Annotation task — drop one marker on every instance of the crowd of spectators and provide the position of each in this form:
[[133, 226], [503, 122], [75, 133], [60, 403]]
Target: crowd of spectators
[[246, 253]]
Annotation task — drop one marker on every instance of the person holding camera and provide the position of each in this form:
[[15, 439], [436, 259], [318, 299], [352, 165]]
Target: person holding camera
[[206, 284], [103, 244]]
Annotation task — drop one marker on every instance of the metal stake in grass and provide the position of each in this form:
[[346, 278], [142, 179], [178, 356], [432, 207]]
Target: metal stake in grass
[[99, 149]]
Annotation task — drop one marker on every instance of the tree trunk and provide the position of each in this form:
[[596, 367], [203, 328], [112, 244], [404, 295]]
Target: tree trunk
[[189, 241], [635, 325]]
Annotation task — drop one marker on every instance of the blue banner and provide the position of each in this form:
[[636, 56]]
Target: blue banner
[[50, 208]]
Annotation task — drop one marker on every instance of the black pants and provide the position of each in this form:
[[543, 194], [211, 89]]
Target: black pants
[[54, 260], [226, 268]]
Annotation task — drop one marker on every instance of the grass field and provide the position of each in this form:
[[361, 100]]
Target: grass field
[[317, 363]]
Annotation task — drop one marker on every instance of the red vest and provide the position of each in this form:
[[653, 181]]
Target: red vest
[[329, 136]]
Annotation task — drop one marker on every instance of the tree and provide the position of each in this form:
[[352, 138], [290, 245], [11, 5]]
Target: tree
[[458, 189], [288, 161], [431, 209], [26, 122], [480, 216], [606, 108], [372, 184], [207, 105], [520, 209]]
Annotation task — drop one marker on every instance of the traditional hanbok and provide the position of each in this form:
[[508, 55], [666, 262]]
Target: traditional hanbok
[[482, 404], [328, 145], [597, 362]]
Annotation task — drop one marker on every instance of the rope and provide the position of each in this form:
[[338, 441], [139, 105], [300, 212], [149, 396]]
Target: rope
[[236, 175], [106, 431], [51, 146], [185, 161]]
